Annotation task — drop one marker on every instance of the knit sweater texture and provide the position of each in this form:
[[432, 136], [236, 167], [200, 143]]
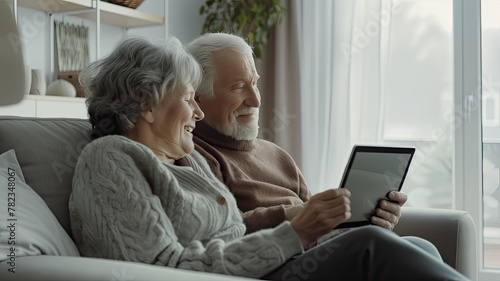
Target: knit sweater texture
[[263, 178], [127, 205]]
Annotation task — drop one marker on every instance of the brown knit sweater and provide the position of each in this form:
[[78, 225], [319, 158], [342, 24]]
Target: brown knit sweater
[[267, 184]]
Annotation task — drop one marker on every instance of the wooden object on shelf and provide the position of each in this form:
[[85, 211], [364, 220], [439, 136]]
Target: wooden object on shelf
[[127, 3]]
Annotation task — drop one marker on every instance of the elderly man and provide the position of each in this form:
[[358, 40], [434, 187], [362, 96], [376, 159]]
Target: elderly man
[[268, 185]]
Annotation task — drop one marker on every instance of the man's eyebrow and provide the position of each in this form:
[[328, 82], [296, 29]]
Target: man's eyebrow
[[238, 80]]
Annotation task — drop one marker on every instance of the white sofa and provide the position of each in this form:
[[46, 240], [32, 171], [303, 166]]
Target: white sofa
[[46, 151]]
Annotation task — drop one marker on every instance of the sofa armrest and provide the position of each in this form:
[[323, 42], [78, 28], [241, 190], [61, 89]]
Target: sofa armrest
[[61, 268], [451, 231]]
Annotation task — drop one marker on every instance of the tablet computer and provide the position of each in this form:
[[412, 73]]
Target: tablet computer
[[371, 173]]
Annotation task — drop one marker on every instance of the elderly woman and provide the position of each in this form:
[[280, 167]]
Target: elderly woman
[[141, 193]]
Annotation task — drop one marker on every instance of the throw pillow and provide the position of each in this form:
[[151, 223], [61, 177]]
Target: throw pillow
[[27, 226]]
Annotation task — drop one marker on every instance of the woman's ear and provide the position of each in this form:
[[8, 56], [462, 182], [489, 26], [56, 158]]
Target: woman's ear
[[148, 116]]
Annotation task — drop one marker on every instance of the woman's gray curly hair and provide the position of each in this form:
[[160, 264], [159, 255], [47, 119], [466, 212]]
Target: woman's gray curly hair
[[134, 78]]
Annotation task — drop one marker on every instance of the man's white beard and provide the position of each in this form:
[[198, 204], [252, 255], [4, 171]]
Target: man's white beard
[[248, 131]]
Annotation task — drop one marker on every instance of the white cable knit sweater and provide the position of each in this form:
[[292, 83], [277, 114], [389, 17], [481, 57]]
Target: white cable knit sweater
[[127, 205]]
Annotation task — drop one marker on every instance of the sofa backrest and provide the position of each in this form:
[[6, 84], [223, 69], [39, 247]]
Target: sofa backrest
[[47, 150]]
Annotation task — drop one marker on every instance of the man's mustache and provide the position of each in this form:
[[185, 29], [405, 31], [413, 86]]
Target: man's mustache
[[246, 111]]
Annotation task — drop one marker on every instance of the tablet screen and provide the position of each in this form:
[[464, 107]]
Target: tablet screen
[[372, 172]]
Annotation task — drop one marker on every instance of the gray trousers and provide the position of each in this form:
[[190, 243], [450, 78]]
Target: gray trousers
[[367, 253]]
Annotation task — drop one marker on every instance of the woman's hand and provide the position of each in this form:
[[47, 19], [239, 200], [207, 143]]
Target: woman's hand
[[322, 213], [388, 212]]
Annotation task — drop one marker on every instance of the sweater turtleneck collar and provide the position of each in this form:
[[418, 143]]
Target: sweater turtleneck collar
[[215, 138]]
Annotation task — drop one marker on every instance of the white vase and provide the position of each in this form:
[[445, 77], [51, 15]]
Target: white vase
[[27, 79], [38, 84], [61, 87]]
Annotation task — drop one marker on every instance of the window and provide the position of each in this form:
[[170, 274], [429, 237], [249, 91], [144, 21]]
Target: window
[[392, 72], [490, 65]]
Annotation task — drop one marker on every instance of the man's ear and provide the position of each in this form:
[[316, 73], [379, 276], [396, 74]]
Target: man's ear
[[148, 116]]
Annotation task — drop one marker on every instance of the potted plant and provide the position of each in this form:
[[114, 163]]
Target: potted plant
[[251, 19]]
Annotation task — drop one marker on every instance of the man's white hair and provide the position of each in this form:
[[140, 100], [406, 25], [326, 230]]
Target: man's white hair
[[203, 47]]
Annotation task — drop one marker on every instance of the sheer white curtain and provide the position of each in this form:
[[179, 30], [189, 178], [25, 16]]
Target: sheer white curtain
[[344, 60]]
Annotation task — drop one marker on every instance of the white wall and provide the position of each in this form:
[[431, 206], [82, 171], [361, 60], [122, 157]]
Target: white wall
[[33, 27], [183, 21]]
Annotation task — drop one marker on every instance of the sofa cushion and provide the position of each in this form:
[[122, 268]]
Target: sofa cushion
[[28, 226], [47, 150]]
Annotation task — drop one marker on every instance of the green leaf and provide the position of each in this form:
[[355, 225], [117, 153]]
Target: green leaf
[[271, 20], [242, 20], [255, 7], [251, 38], [257, 52]]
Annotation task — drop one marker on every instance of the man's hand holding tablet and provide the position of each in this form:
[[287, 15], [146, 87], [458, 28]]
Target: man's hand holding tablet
[[374, 175]]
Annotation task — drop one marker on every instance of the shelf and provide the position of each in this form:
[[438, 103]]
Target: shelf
[[110, 13], [47, 107], [54, 98], [123, 16], [56, 6]]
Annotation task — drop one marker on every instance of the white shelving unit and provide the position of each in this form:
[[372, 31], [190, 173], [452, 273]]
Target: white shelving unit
[[47, 107], [109, 13], [94, 10]]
